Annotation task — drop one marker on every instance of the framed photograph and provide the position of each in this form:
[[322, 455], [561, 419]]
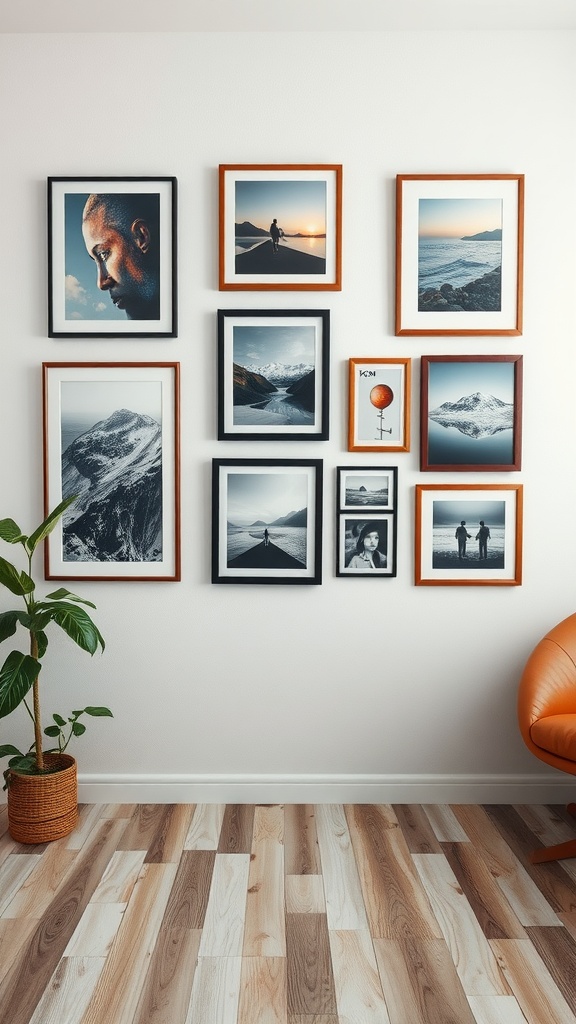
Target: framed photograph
[[112, 257], [459, 253], [111, 437], [273, 375], [379, 405], [471, 413], [366, 488], [366, 544], [280, 227], [267, 521], [468, 535]]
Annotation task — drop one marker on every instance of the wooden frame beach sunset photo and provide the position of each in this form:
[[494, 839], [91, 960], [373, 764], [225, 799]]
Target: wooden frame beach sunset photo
[[273, 375], [468, 535], [280, 227], [111, 437], [471, 413], [459, 254], [379, 405], [112, 257], [267, 521]]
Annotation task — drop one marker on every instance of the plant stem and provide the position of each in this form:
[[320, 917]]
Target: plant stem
[[37, 717]]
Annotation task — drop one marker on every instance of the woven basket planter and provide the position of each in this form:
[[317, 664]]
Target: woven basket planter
[[42, 808]]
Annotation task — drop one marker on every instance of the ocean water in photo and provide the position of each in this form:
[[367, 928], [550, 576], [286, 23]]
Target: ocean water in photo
[[292, 539], [448, 446], [452, 261]]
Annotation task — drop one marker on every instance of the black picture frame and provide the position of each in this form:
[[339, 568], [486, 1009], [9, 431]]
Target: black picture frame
[[273, 374], [352, 560], [91, 297], [267, 521]]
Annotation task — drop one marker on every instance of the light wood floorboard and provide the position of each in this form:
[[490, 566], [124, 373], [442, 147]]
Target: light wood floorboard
[[297, 914]]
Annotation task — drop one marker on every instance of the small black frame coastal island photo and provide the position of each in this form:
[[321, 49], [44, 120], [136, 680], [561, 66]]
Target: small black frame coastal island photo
[[267, 521], [459, 254], [280, 227]]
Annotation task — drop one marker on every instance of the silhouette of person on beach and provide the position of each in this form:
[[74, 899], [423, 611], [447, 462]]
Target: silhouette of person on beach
[[275, 234], [482, 537], [266, 538], [462, 536], [367, 555]]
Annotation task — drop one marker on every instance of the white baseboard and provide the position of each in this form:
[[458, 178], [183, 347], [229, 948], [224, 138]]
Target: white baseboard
[[310, 789]]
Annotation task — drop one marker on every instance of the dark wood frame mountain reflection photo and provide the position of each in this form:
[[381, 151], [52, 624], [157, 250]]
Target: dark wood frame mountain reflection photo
[[459, 253], [111, 437], [267, 521], [273, 374], [471, 413], [280, 227]]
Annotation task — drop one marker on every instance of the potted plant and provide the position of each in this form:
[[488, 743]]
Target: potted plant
[[41, 784]]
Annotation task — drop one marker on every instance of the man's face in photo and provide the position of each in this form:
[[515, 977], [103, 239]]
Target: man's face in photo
[[123, 264]]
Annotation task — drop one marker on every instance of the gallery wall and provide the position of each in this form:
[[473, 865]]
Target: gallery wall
[[362, 689]]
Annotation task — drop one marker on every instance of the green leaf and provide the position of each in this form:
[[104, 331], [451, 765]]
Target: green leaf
[[52, 730], [16, 678], [8, 622], [59, 720], [48, 525], [6, 749], [11, 532], [62, 594], [23, 764], [79, 626], [78, 729], [99, 712], [17, 582], [42, 643]]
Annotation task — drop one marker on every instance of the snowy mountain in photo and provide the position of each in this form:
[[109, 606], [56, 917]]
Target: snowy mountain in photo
[[475, 415], [282, 374], [116, 470]]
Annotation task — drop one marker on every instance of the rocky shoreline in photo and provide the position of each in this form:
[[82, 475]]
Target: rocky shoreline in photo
[[481, 295]]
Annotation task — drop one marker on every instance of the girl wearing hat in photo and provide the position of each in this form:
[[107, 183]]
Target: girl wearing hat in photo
[[367, 555]]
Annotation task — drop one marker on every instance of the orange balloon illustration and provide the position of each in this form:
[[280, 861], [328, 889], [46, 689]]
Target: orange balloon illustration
[[381, 396]]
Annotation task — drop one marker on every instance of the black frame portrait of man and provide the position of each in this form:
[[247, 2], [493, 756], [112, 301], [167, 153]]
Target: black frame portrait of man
[[112, 267]]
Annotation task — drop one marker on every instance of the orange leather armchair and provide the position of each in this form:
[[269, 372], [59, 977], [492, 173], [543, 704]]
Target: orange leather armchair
[[547, 712]]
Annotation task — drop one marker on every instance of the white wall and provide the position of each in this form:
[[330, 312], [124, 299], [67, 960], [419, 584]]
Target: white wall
[[358, 689]]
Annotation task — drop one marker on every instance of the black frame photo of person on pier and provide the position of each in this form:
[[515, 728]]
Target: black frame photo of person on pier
[[267, 521], [112, 258], [459, 254], [280, 227]]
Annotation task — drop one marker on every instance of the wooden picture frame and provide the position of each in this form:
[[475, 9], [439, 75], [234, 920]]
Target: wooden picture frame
[[452, 547], [267, 521], [112, 437], [280, 227], [112, 257], [471, 413], [273, 374], [379, 405], [459, 254]]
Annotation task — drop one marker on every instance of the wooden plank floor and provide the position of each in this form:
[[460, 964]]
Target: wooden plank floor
[[325, 914]]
